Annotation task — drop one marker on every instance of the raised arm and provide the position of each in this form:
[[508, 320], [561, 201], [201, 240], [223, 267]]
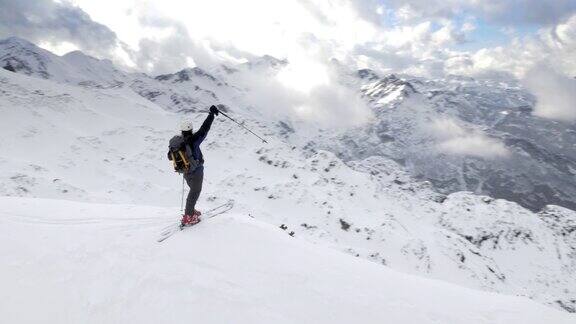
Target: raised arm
[[200, 135]]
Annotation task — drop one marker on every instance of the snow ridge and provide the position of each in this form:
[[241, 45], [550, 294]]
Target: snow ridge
[[246, 271]]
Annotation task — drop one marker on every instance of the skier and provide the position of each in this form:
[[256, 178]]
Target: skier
[[194, 173]]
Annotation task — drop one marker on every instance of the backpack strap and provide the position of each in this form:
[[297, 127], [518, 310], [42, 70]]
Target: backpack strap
[[184, 160]]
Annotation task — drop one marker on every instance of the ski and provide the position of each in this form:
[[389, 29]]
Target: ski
[[172, 229]]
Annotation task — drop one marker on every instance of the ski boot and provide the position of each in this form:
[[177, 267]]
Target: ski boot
[[189, 220]]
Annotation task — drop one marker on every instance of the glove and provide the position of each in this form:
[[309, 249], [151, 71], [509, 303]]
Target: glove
[[214, 110]]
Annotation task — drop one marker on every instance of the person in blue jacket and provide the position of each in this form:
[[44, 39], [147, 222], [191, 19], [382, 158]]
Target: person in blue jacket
[[195, 174]]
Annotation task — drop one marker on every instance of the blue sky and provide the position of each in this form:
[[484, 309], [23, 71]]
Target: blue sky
[[496, 32], [488, 35]]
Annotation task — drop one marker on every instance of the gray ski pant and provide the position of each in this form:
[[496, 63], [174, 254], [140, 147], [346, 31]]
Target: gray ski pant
[[194, 181]]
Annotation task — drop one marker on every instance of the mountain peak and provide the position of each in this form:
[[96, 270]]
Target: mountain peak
[[387, 89], [187, 74], [266, 61], [368, 74], [77, 53], [14, 40], [274, 61], [79, 57], [13, 44], [20, 56]]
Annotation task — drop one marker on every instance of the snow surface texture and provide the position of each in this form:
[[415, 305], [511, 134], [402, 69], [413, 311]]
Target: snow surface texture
[[107, 143], [92, 263]]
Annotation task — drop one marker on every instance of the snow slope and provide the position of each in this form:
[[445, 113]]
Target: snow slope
[[93, 263], [81, 143], [109, 144]]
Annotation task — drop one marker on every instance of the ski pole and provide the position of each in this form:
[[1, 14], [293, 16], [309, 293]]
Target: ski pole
[[182, 202], [263, 140]]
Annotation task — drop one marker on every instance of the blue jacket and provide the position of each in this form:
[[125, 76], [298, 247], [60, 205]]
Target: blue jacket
[[194, 140]]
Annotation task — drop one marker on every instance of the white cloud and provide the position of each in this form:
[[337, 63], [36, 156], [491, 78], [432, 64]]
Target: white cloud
[[303, 74], [335, 106], [415, 36], [448, 34], [322, 101], [555, 93], [553, 45], [524, 11], [237, 30], [474, 145], [57, 24], [509, 12], [446, 128], [455, 139]]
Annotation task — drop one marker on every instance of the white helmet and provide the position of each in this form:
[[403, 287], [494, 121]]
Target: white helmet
[[186, 125]]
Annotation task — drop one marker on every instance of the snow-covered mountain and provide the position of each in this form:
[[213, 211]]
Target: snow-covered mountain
[[540, 168], [104, 144], [19, 55]]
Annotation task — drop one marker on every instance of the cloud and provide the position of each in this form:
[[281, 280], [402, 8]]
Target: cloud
[[233, 30], [474, 145], [513, 12], [321, 101], [425, 35], [371, 10], [334, 105], [553, 45], [555, 93], [446, 129], [171, 52], [173, 35], [386, 59], [46, 21], [417, 10], [450, 34], [420, 37], [510, 12], [455, 139], [178, 34]]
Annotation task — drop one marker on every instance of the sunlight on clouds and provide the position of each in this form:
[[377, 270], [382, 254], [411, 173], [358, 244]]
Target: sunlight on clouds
[[415, 37], [303, 75], [257, 27], [60, 48], [307, 33], [408, 35], [122, 57]]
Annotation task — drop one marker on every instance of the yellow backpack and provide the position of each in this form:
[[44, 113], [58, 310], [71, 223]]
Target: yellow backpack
[[178, 155]]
